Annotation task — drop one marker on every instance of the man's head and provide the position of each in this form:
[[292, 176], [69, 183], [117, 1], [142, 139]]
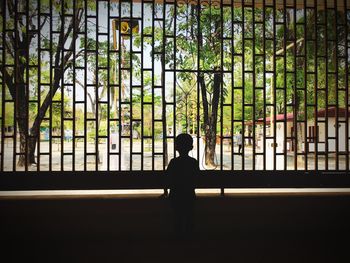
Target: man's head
[[183, 143]]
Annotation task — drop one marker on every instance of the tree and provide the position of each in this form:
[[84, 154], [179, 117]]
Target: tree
[[297, 90], [186, 102], [208, 51], [99, 78], [159, 46], [18, 44], [199, 32]]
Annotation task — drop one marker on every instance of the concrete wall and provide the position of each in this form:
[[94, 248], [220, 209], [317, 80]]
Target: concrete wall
[[228, 229]]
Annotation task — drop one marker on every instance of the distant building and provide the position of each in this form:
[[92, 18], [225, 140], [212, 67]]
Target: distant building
[[315, 136]]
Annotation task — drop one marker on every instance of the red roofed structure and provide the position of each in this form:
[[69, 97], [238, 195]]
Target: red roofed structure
[[310, 135], [332, 112]]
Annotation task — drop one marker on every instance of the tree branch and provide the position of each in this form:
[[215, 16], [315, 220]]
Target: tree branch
[[204, 98], [8, 80], [58, 72], [12, 39], [42, 25], [93, 105], [216, 92], [10, 6], [9, 49], [79, 83]]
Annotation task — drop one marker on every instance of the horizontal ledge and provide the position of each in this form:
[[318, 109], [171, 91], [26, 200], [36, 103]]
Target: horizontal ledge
[[157, 180], [154, 193]]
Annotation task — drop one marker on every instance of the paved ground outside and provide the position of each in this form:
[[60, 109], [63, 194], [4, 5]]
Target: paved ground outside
[[113, 158]]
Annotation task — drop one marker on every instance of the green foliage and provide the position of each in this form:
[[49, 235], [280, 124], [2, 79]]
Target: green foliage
[[199, 46]]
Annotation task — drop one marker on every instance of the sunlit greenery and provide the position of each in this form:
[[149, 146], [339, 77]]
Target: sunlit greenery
[[214, 57]]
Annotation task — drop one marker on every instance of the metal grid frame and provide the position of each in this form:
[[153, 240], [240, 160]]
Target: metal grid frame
[[80, 28]]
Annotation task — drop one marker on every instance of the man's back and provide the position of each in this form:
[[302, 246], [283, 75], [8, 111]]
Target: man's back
[[182, 172]]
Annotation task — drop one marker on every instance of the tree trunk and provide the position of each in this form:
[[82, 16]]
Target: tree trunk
[[30, 151], [210, 144], [210, 121], [298, 133], [27, 143], [32, 141], [300, 140], [164, 126], [28, 139], [22, 146]]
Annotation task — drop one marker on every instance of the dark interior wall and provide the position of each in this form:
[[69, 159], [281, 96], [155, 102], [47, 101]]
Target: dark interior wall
[[245, 228]]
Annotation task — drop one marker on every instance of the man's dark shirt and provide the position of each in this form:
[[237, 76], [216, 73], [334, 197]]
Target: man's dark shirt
[[182, 172]]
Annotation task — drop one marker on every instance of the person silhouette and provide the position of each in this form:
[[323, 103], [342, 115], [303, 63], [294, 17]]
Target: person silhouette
[[239, 141], [182, 172]]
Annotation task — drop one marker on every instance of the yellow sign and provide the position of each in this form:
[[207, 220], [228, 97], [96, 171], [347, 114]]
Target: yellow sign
[[127, 26]]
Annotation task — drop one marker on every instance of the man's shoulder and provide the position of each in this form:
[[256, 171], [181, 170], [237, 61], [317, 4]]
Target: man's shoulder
[[184, 159], [194, 160]]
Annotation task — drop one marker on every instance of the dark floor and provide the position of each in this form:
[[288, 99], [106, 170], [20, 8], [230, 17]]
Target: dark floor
[[228, 229]]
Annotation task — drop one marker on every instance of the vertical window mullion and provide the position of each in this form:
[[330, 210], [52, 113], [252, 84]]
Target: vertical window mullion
[[142, 87], [243, 85], [97, 101], [108, 146], [285, 124], [120, 87], [336, 89], [221, 86], [164, 126], [3, 69], [273, 87], [175, 68], [264, 83], [62, 87], [14, 167], [164, 122], [306, 145], [199, 139], [73, 83], [222, 190], [50, 89], [26, 91], [315, 86], [131, 89], [39, 85], [327, 89], [346, 87], [231, 141], [85, 82], [295, 91], [326, 97], [153, 124], [254, 87]]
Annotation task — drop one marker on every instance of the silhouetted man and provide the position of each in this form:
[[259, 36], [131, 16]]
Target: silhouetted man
[[239, 141], [182, 172]]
